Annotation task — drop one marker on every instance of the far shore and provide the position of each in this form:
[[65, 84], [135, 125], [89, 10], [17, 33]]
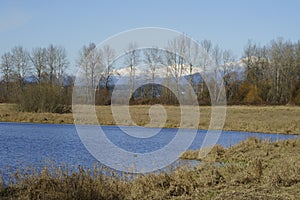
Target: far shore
[[265, 119]]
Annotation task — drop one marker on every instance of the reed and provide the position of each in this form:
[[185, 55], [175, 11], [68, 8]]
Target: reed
[[252, 169], [266, 119]]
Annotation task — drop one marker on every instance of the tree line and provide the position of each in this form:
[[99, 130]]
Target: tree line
[[37, 81], [272, 72]]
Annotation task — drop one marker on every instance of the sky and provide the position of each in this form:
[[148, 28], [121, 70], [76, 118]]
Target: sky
[[72, 24]]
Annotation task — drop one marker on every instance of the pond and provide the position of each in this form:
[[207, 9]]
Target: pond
[[34, 144]]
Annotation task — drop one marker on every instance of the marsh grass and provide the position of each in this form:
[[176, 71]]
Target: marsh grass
[[266, 119], [10, 113], [252, 169]]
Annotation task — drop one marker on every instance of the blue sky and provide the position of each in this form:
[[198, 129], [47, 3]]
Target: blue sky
[[72, 24]]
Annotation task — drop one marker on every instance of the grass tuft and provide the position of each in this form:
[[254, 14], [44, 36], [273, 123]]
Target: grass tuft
[[252, 169]]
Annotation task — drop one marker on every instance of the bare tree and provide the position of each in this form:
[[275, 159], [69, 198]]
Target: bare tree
[[175, 60], [215, 78], [289, 72], [56, 63], [277, 58], [39, 59], [284, 70], [227, 68], [205, 59], [251, 60], [108, 56], [297, 59], [192, 57], [131, 60], [62, 63], [20, 60], [206, 50], [6, 70], [152, 59], [90, 63], [51, 62]]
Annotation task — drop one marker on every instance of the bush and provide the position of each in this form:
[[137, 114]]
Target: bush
[[43, 98], [249, 94], [252, 96], [296, 94]]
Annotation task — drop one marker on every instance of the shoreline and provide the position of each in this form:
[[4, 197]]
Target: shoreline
[[260, 171], [236, 131], [255, 119]]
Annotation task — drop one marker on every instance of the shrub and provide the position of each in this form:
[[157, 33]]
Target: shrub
[[249, 94], [43, 98]]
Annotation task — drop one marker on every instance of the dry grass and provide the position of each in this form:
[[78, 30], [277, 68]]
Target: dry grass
[[9, 113], [253, 169], [267, 119]]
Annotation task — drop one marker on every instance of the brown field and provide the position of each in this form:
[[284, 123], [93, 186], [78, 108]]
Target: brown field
[[268, 119], [253, 169]]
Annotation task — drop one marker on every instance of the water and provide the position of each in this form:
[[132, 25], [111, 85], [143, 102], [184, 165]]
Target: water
[[34, 144]]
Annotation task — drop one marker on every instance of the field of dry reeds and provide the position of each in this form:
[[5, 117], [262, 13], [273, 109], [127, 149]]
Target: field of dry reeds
[[252, 169], [267, 119]]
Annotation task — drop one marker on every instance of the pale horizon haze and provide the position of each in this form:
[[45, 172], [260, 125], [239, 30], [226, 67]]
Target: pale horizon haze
[[72, 24]]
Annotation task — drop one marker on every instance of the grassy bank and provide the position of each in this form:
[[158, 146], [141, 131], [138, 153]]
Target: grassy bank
[[252, 169], [268, 119]]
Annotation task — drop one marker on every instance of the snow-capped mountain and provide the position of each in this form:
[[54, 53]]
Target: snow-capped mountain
[[159, 72], [143, 74]]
